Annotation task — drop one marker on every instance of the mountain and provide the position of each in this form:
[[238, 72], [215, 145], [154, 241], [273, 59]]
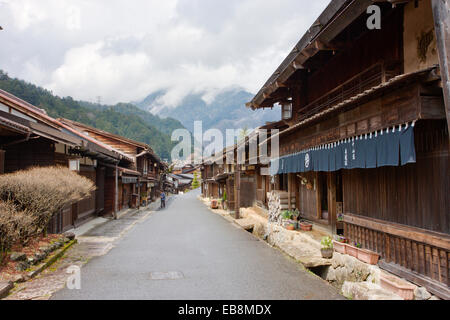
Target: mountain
[[123, 119], [226, 111]]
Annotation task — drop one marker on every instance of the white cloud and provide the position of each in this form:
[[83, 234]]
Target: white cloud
[[123, 52]]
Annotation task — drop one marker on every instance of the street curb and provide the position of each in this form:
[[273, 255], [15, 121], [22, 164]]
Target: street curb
[[5, 287], [51, 260]]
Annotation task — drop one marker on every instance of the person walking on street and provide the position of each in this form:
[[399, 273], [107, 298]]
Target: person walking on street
[[163, 199]]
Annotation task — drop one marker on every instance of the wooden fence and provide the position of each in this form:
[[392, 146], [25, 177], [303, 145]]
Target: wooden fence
[[418, 255]]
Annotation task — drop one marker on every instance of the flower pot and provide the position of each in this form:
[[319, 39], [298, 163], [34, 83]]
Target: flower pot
[[305, 226], [340, 247], [290, 227], [214, 204], [327, 253], [368, 256], [397, 286], [351, 250]]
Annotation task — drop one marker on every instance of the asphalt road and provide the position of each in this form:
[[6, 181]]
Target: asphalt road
[[209, 257]]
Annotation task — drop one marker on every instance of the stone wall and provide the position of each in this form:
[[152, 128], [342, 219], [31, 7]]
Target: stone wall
[[354, 278]]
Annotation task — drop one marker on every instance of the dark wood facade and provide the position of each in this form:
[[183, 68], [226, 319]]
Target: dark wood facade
[[357, 82]]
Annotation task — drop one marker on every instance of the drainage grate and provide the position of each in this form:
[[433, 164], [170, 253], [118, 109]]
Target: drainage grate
[[171, 275]]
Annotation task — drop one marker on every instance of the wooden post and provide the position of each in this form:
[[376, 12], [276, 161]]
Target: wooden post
[[289, 191], [318, 195], [116, 193], [332, 212], [139, 194], [237, 198], [441, 14]]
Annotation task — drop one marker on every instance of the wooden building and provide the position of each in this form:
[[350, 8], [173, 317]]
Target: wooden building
[[28, 138], [367, 132], [136, 179], [126, 173], [180, 182]]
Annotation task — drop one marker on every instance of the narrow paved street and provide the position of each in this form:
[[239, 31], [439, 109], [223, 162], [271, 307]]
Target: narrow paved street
[[209, 257]]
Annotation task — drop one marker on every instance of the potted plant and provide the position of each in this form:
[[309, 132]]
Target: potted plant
[[295, 214], [353, 249], [327, 248], [305, 226], [290, 226], [368, 256], [398, 286], [286, 216], [340, 244], [224, 200]]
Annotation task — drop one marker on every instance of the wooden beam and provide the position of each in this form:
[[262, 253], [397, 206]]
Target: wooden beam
[[297, 66], [279, 84], [441, 14]]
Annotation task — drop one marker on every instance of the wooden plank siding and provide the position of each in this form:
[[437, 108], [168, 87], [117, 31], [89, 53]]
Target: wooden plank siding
[[416, 194], [370, 48], [37, 152], [403, 212], [109, 191], [307, 202], [370, 116]]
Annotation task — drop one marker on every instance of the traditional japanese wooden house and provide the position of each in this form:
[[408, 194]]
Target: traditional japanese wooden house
[[368, 132], [135, 179], [31, 138], [180, 182]]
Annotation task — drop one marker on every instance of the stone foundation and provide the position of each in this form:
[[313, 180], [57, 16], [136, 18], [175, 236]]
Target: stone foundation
[[355, 279]]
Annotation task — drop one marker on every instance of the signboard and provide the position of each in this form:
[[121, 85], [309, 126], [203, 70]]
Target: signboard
[[128, 180]]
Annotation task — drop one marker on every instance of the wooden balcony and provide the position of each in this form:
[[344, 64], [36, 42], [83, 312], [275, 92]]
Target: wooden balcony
[[367, 79], [418, 255]]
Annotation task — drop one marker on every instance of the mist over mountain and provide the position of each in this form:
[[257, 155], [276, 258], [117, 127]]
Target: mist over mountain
[[226, 111]]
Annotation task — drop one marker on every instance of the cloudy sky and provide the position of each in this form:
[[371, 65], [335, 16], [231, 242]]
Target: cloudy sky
[[122, 50]]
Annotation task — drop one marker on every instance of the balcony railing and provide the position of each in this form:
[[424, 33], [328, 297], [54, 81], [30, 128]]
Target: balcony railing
[[369, 78]]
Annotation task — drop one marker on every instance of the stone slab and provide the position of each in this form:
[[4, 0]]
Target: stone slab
[[5, 287]]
